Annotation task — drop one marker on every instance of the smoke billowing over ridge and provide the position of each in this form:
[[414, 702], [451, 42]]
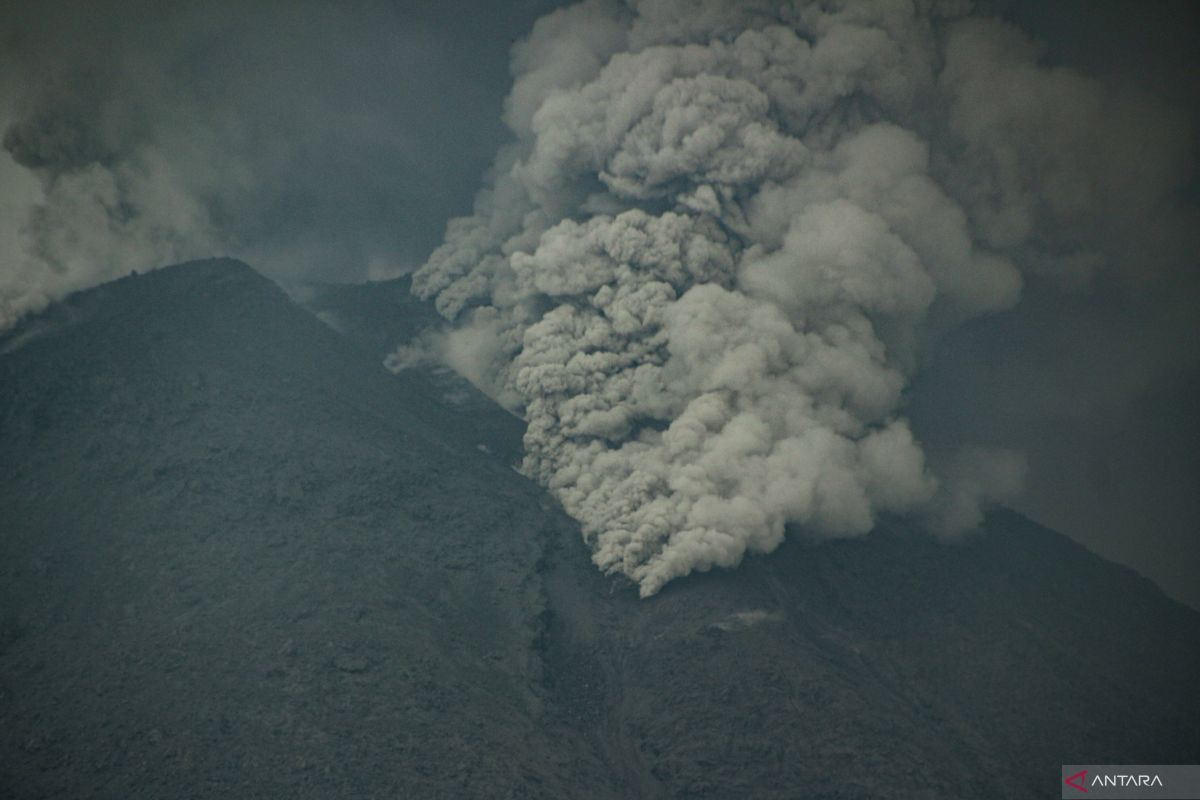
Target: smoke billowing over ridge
[[727, 234]]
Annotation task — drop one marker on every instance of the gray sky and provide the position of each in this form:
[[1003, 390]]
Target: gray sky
[[319, 142]]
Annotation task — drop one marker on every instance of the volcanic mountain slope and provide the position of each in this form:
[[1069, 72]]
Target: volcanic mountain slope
[[375, 317], [239, 559], [242, 560]]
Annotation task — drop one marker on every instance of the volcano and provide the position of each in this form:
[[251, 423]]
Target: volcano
[[239, 558]]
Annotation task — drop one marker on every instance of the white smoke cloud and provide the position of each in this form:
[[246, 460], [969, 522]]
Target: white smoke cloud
[[709, 265]]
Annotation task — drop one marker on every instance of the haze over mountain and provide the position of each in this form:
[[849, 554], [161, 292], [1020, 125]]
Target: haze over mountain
[[241, 559]]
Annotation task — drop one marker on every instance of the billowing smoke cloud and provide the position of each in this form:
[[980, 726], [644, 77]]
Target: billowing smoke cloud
[[728, 234]]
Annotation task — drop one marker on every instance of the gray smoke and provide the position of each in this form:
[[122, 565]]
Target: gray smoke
[[728, 235], [312, 140]]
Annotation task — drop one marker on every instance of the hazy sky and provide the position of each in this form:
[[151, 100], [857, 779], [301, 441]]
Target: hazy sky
[[1099, 387], [320, 142]]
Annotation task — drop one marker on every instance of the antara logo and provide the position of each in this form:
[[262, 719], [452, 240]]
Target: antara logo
[[1125, 780], [1077, 780]]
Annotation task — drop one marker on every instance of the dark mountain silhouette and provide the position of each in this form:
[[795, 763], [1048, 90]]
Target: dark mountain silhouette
[[240, 559]]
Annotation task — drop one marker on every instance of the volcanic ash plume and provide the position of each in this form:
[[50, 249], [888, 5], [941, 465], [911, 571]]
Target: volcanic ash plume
[[705, 270]]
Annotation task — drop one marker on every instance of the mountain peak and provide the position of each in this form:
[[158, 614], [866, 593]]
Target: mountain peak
[[228, 530]]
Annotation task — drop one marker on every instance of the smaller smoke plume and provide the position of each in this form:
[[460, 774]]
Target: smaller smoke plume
[[86, 224], [313, 141]]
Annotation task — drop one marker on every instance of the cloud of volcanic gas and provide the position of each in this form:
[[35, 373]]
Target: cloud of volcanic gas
[[708, 266]]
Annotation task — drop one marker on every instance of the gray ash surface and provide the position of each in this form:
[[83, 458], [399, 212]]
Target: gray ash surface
[[240, 559]]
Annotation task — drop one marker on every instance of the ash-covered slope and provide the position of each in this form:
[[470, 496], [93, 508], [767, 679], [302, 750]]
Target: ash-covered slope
[[238, 559], [241, 560]]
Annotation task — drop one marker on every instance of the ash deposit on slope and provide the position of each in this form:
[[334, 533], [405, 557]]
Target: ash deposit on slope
[[240, 560]]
